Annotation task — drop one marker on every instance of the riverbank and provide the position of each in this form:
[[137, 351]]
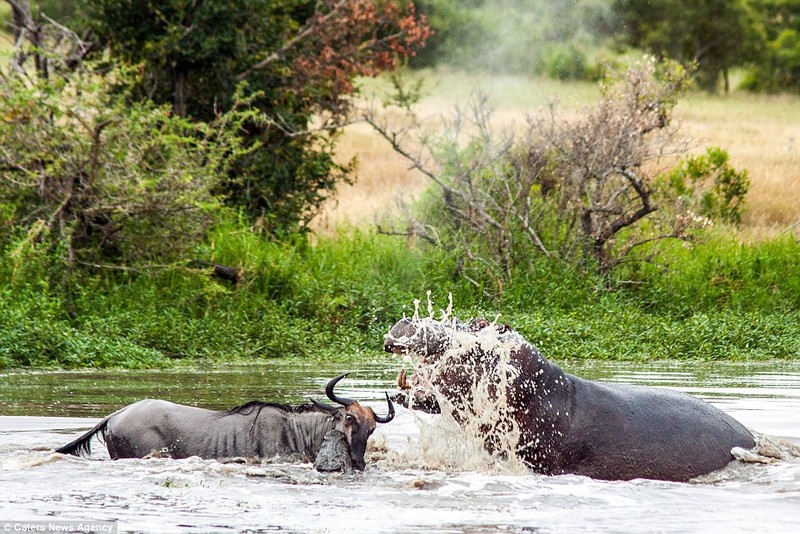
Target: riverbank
[[335, 300], [733, 293]]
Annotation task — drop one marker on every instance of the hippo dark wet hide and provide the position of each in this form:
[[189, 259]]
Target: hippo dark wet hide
[[334, 453], [567, 425]]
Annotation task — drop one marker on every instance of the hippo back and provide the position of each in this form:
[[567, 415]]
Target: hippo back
[[620, 432]]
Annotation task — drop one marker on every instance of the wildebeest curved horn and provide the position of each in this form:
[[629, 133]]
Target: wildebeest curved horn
[[332, 396], [324, 407], [390, 415]]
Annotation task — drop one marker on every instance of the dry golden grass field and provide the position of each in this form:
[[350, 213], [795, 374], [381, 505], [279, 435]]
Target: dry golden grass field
[[760, 132]]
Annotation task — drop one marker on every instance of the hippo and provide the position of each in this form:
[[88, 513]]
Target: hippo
[[565, 424]]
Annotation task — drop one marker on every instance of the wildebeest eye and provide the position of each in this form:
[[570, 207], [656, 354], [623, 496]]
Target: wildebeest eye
[[349, 419]]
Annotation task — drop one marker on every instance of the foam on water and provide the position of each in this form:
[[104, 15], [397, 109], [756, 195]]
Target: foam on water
[[768, 450]]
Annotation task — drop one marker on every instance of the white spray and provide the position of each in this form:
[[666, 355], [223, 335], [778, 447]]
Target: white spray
[[457, 439]]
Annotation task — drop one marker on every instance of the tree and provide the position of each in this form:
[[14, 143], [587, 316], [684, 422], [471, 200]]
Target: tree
[[778, 68], [301, 56], [98, 180], [92, 176], [515, 36], [714, 35]]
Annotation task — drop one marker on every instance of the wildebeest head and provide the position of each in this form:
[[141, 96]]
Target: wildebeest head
[[356, 422]]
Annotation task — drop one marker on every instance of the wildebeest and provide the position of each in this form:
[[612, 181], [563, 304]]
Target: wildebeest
[[566, 424], [256, 430]]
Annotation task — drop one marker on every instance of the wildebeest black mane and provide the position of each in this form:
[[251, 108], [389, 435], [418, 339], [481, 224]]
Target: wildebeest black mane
[[250, 407]]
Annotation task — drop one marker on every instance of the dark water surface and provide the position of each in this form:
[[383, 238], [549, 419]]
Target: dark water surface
[[765, 395], [97, 393]]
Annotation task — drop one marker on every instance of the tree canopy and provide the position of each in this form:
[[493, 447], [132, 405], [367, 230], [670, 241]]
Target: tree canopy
[[301, 57], [295, 61], [580, 39], [715, 35]]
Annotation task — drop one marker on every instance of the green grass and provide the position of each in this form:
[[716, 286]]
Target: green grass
[[721, 300]]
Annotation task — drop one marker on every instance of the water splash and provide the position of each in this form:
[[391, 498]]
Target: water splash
[[472, 381], [446, 313], [768, 450]]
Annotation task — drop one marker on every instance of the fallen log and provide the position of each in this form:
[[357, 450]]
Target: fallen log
[[222, 272]]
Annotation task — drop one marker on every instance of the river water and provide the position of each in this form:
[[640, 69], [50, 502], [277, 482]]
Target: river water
[[412, 482]]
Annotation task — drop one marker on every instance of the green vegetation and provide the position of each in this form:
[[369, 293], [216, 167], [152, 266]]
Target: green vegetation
[[122, 189], [778, 67], [715, 35], [718, 299], [294, 61], [722, 198], [94, 178], [580, 39], [565, 39]]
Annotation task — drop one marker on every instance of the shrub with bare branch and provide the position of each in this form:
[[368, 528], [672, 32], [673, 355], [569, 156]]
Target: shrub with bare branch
[[583, 191], [51, 46], [104, 182]]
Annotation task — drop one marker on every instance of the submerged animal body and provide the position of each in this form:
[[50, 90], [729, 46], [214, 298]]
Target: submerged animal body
[[256, 430], [565, 424]]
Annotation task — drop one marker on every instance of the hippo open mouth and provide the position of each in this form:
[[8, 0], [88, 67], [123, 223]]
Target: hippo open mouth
[[445, 358]]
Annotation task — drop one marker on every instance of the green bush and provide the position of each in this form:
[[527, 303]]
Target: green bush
[[98, 180], [711, 186], [335, 299], [35, 333], [721, 273], [567, 61]]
